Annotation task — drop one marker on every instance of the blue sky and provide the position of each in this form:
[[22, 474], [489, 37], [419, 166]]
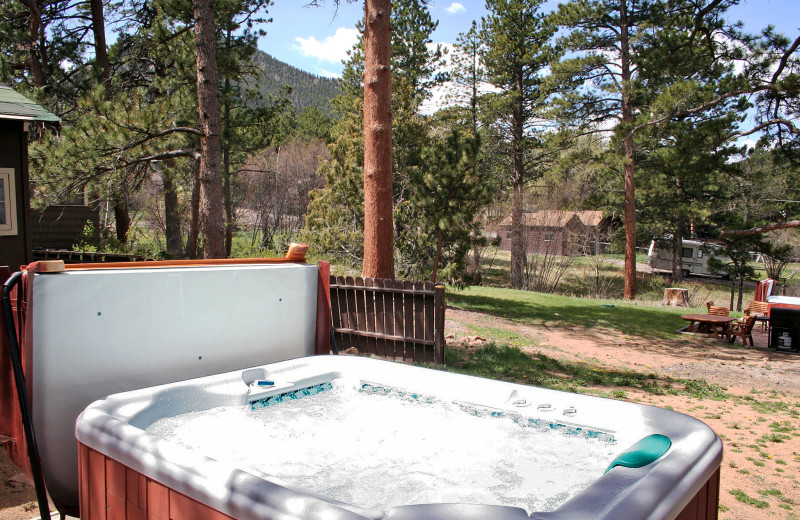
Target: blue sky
[[315, 39]]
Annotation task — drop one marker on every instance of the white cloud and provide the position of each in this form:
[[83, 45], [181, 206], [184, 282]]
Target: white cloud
[[749, 143], [446, 95], [456, 8], [333, 48], [325, 73]]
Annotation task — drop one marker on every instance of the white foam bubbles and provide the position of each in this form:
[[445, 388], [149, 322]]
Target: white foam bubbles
[[377, 451]]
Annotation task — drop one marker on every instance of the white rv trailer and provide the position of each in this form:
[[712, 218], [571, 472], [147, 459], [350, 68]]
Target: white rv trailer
[[694, 257]]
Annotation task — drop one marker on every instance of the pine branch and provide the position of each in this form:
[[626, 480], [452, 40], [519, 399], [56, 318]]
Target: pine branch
[[759, 230], [785, 59]]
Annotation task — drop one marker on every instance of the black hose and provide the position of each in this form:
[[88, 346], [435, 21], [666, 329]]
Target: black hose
[[22, 396], [333, 344]]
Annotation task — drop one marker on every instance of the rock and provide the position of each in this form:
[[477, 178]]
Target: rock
[[18, 482], [353, 351]]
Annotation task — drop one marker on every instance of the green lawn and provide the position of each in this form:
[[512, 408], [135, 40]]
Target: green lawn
[[550, 309]]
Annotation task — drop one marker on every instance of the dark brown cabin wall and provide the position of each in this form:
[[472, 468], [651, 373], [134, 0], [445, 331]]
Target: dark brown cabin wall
[[60, 227], [15, 250]]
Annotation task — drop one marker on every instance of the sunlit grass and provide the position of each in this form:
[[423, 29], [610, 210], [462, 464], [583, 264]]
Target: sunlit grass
[[554, 310]]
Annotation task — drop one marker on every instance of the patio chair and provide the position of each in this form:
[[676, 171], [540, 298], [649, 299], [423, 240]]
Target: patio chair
[[742, 329], [759, 310], [717, 310]]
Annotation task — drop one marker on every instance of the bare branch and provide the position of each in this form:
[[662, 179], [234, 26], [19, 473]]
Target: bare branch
[[168, 131], [194, 154], [784, 59], [759, 230], [772, 122]]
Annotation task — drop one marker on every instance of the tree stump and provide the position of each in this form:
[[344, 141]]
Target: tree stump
[[676, 297]]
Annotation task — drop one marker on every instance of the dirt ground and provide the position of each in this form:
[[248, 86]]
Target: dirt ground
[[17, 496], [759, 423]]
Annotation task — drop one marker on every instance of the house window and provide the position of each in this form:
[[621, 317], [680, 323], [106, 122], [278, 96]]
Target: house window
[[8, 205]]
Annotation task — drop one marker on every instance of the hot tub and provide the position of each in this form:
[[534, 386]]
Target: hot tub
[[274, 442]]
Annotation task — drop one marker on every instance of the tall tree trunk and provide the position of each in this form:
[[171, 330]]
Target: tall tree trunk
[[378, 224], [677, 259], [228, 202], [36, 48], [739, 298], [226, 175], [630, 192], [101, 63], [122, 217], [209, 118], [677, 240], [103, 71], [518, 246], [438, 256], [226, 160], [194, 220], [172, 218]]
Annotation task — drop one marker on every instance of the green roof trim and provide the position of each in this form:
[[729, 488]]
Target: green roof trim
[[14, 105]]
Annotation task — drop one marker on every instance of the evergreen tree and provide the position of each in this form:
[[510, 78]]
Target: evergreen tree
[[44, 48], [467, 77], [147, 110], [516, 35], [635, 64], [451, 192]]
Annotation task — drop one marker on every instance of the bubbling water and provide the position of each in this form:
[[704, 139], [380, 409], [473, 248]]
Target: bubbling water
[[376, 447]]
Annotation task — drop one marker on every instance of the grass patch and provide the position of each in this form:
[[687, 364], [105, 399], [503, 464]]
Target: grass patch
[[774, 437], [767, 407], [548, 309], [741, 496], [782, 427], [701, 389], [509, 363], [777, 493]]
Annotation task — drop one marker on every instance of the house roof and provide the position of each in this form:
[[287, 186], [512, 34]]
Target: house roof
[[14, 105], [590, 218], [556, 218]]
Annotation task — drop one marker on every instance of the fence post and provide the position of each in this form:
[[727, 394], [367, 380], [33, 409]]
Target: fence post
[[438, 324], [322, 343]]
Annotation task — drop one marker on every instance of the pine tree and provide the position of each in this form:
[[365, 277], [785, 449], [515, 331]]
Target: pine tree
[[633, 65], [516, 35], [451, 191], [467, 78]]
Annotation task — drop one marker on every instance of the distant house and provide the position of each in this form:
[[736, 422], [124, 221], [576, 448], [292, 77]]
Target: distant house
[[17, 113], [559, 232]]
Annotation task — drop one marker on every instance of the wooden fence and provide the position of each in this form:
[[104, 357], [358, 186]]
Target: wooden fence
[[389, 318]]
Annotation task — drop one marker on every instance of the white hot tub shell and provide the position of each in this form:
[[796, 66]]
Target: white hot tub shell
[[123, 467]]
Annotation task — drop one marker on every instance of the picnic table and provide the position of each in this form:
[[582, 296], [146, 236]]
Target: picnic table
[[711, 324]]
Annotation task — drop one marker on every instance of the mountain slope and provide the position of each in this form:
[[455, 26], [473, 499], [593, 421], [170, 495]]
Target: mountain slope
[[307, 89]]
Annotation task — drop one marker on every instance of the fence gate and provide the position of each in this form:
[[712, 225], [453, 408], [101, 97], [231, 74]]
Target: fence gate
[[389, 318]]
